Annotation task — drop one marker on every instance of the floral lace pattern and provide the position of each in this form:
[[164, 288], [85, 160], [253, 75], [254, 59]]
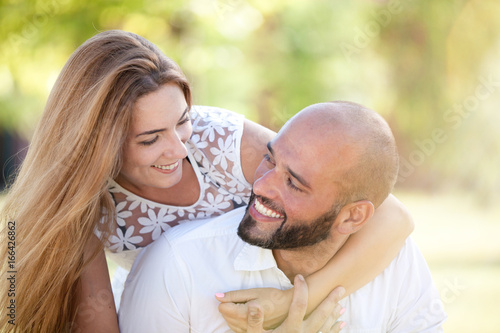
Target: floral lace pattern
[[214, 153]]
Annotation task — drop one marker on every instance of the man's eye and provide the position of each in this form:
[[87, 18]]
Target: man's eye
[[268, 159], [290, 184]]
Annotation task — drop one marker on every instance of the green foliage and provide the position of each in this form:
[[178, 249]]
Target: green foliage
[[413, 61]]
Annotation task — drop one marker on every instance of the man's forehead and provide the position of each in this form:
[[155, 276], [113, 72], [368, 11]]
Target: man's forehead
[[306, 134], [318, 153], [299, 156]]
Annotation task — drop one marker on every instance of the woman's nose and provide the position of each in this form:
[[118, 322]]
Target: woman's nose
[[175, 147]]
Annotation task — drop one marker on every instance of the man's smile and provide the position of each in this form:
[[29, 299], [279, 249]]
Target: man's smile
[[263, 213]]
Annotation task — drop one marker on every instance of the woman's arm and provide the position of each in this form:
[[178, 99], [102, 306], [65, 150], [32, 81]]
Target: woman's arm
[[96, 307], [366, 253], [360, 260]]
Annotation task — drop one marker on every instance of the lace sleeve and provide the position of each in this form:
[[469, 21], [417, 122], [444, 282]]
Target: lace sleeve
[[217, 137]]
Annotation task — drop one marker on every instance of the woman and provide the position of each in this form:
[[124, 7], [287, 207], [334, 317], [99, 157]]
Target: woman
[[120, 154]]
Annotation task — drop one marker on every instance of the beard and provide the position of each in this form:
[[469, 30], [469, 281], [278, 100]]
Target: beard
[[299, 234]]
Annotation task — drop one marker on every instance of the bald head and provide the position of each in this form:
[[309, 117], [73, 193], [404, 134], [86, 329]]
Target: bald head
[[357, 145]]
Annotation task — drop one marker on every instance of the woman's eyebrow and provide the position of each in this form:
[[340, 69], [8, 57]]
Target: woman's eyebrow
[[162, 129], [184, 113], [151, 132]]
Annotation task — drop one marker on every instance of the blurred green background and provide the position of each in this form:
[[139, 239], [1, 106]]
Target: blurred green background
[[431, 68]]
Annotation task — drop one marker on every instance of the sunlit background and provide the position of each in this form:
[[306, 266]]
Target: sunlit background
[[431, 68]]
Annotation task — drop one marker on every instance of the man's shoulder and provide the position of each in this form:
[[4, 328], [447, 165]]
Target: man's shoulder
[[406, 294], [409, 260], [408, 264], [194, 237], [408, 257], [223, 225], [188, 241]]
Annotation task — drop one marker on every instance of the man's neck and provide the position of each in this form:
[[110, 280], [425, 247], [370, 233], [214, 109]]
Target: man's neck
[[306, 260]]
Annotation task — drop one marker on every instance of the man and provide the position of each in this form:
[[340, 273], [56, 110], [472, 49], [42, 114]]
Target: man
[[326, 171]]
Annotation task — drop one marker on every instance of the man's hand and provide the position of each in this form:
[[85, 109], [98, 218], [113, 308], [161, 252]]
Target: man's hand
[[323, 319], [274, 302]]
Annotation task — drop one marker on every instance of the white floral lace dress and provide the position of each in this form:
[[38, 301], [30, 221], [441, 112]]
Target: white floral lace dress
[[214, 153]]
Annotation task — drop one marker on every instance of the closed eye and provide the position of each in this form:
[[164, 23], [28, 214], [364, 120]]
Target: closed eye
[[184, 120], [150, 142], [290, 184], [268, 159], [289, 180]]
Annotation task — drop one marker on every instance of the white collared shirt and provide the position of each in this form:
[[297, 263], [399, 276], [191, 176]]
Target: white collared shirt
[[172, 284]]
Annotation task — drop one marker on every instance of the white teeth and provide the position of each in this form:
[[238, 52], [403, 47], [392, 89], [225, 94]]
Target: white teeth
[[167, 167], [266, 211]]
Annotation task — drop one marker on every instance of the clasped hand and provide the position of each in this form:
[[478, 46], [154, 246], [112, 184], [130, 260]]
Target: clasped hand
[[244, 312]]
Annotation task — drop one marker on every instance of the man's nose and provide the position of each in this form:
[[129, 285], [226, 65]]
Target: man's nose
[[267, 184]]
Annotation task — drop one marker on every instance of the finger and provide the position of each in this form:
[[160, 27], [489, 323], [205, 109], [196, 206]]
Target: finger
[[298, 307], [234, 310], [236, 296], [337, 294], [255, 318], [329, 309], [235, 315], [330, 320], [337, 327]]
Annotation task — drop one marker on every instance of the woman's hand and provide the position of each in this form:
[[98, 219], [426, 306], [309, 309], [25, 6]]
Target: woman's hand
[[274, 302], [323, 319]]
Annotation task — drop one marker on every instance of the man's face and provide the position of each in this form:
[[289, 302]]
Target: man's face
[[290, 234], [295, 195]]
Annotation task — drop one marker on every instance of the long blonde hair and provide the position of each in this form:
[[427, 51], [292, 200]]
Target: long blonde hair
[[60, 193]]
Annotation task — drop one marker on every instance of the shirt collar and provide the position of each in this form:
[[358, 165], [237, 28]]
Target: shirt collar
[[254, 258]]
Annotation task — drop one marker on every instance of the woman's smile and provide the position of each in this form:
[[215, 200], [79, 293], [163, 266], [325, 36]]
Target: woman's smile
[[168, 168]]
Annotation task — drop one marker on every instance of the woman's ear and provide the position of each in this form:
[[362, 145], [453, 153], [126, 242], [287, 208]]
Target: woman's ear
[[353, 216]]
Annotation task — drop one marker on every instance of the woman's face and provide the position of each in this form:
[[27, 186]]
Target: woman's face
[[154, 150]]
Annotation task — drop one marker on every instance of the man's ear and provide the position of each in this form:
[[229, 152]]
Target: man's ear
[[353, 216]]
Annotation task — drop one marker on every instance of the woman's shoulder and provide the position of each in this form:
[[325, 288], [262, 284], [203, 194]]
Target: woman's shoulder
[[210, 116]]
